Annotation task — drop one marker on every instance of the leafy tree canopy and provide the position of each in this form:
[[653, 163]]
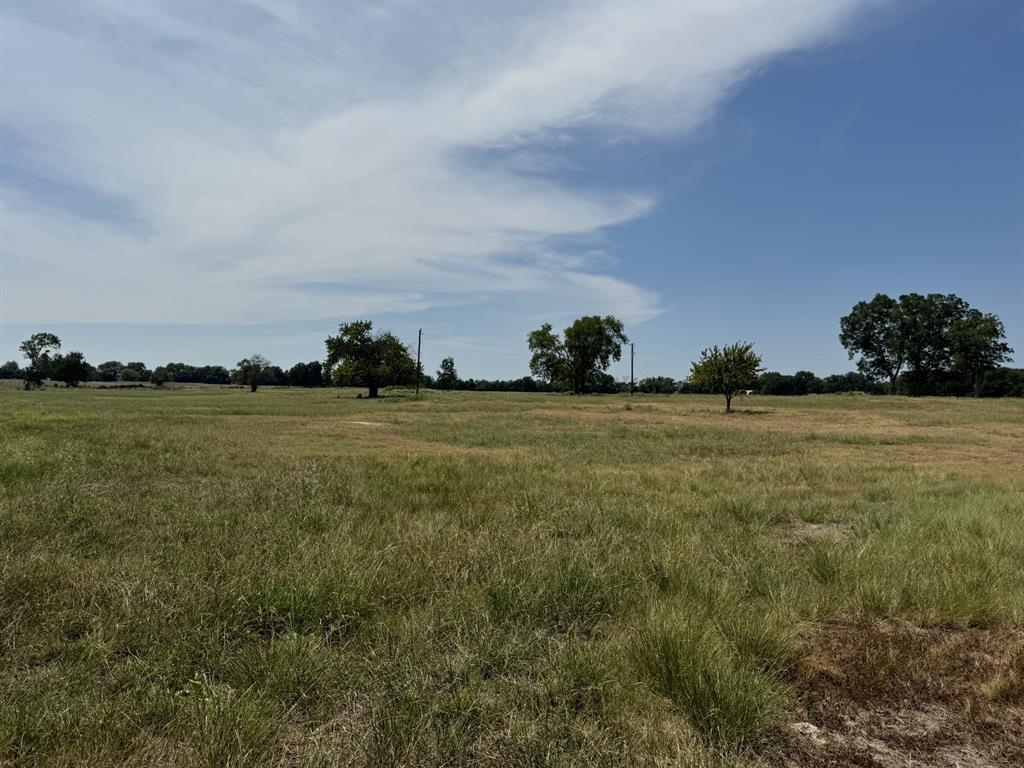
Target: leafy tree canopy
[[874, 331], [10, 370], [726, 370], [70, 369], [109, 370], [247, 371], [579, 359], [936, 339], [37, 350], [447, 376], [306, 374], [359, 357]]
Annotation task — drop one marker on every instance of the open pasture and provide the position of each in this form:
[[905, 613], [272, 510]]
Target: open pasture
[[209, 577]]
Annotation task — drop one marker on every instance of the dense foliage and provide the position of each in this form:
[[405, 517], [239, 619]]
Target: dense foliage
[[359, 357], [249, 371], [38, 349], [306, 374], [924, 344], [578, 361], [70, 369], [726, 371]]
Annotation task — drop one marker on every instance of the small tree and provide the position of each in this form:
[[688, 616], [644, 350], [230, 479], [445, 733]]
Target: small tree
[[160, 376], [70, 369], [248, 370], [447, 376], [37, 349], [727, 370], [359, 357]]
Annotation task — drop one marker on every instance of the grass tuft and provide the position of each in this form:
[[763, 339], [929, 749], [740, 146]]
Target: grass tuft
[[729, 703]]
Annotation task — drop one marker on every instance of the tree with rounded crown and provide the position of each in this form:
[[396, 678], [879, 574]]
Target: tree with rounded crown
[[248, 370], [577, 360], [727, 370], [37, 349], [359, 357], [70, 369]]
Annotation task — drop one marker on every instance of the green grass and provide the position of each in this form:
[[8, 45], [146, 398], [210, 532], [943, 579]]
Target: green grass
[[208, 577]]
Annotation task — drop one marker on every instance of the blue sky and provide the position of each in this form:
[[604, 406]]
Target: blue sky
[[197, 182]]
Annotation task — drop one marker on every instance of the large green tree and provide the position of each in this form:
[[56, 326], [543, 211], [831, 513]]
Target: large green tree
[[873, 332], [726, 370], [579, 359], [38, 350], [70, 369], [977, 347], [926, 321], [937, 340], [359, 357]]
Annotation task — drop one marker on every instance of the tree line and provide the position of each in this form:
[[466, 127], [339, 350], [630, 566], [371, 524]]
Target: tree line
[[934, 344], [47, 362]]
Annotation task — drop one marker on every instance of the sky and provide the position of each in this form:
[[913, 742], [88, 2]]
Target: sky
[[197, 182]]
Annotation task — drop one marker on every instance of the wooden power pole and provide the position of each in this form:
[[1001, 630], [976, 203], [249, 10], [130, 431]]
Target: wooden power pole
[[419, 343], [631, 369]]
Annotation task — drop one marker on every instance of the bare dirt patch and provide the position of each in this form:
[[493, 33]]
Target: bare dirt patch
[[896, 696]]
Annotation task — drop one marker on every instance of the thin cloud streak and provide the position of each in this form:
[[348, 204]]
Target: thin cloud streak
[[255, 150]]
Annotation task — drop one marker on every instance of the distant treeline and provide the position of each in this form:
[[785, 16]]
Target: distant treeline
[[933, 344], [113, 371], [1001, 382]]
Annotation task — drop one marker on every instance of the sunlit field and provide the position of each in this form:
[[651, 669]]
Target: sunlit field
[[209, 577]]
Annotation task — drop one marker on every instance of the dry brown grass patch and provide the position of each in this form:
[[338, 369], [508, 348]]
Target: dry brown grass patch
[[896, 696]]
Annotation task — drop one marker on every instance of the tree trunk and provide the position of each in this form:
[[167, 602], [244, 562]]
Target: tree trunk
[[252, 386], [728, 403], [374, 389], [892, 383]]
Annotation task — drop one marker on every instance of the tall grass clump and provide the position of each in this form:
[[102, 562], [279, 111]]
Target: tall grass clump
[[732, 705]]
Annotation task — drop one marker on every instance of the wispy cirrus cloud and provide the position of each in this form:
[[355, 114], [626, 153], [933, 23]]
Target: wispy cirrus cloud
[[259, 161]]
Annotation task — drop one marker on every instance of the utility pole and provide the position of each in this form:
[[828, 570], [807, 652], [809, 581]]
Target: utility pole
[[631, 369], [419, 343]]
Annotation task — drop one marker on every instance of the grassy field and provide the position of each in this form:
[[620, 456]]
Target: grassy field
[[209, 577]]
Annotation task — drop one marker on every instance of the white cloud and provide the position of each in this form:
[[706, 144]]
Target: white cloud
[[246, 163]]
